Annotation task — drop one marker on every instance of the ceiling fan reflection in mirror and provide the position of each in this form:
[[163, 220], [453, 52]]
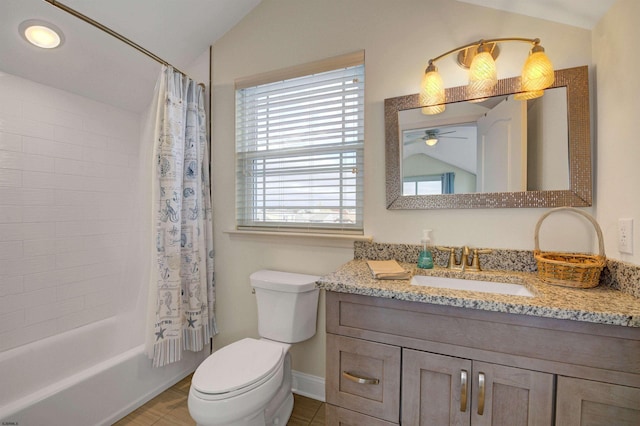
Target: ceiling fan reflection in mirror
[[431, 137]]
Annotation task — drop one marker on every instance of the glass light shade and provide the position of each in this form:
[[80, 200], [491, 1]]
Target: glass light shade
[[537, 75], [483, 76], [42, 37], [431, 141], [432, 92]]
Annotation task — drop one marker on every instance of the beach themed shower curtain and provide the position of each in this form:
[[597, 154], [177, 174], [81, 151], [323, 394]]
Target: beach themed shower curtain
[[182, 293]]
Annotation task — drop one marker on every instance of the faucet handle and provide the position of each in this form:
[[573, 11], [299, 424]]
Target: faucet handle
[[451, 263], [475, 262], [443, 248]]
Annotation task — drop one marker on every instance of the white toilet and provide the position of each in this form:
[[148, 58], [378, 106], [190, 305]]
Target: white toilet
[[248, 383]]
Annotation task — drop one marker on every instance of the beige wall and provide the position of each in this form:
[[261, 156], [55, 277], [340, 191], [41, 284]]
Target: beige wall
[[398, 38], [617, 112]]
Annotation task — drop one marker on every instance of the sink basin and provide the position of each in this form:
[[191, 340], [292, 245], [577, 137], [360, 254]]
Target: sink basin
[[471, 285]]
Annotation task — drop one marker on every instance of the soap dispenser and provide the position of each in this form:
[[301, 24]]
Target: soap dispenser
[[425, 259]]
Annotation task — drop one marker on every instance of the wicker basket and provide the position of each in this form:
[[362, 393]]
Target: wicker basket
[[570, 269]]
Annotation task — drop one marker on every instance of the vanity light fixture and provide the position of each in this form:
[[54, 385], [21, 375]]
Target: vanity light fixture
[[41, 33], [479, 57]]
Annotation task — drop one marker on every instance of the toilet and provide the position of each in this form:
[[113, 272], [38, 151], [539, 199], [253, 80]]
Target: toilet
[[248, 383]]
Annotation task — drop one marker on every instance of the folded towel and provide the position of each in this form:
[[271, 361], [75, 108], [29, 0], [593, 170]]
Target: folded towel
[[388, 270]]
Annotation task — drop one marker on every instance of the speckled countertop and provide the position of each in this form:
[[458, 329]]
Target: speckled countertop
[[602, 304]]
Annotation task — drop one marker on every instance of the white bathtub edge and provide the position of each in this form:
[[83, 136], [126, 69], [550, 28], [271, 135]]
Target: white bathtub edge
[[128, 379]]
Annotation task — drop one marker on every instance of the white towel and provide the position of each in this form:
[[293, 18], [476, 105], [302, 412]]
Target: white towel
[[388, 270]]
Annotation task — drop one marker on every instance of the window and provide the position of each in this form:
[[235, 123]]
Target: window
[[428, 184], [300, 148]]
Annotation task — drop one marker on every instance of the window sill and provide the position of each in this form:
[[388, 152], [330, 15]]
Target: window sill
[[342, 237]]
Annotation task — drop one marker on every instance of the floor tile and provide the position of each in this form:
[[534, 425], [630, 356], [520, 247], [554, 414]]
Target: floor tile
[[170, 409]]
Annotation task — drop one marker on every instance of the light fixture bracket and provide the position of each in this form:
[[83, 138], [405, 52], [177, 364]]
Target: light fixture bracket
[[465, 56]]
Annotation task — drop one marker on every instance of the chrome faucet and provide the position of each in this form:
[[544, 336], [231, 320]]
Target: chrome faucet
[[464, 264]]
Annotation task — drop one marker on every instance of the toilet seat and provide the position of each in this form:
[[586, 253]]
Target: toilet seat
[[237, 369]]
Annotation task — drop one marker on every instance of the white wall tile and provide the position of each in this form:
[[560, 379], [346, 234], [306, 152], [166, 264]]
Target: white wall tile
[[27, 265], [11, 249], [10, 214], [33, 248], [53, 214], [10, 142], [25, 231], [65, 245], [103, 297], [77, 319], [51, 181], [50, 148], [76, 198], [52, 115], [15, 302], [10, 177], [68, 166], [26, 197], [11, 321], [80, 138], [11, 285], [36, 129], [23, 335], [21, 161], [53, 309], [82, 288], [80, 168]]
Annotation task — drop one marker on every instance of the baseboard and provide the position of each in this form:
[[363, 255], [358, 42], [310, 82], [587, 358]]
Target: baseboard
[[308, 385]]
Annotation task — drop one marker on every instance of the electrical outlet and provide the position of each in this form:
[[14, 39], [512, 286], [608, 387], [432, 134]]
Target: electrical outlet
[[625, 236]]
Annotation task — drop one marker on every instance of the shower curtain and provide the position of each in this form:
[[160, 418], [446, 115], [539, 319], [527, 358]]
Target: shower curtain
[[182, 291]]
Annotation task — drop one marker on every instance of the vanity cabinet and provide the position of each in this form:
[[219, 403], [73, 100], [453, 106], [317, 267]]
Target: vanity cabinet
[[365, 376], [443, 390], [396, 362], [595, 403]]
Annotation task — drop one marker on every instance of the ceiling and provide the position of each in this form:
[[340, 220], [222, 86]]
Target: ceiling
[[578, 13], [96, 65]]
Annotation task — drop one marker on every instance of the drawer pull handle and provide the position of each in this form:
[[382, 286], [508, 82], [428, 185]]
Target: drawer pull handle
[[361, 380], [463, 390], [481, 385]]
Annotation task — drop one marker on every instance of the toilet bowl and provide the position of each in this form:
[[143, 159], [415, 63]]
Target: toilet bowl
[[248, 383], [235, 384]]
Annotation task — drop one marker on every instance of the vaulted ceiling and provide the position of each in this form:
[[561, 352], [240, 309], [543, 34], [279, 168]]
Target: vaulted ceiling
[[94, 64]]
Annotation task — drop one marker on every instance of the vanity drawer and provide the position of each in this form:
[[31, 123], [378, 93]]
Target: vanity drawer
[[338, 416], [364, 376]]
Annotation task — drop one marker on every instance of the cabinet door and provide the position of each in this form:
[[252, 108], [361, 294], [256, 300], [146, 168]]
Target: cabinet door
[[585, 402], [511, 396], [435, 389], [364, 376]]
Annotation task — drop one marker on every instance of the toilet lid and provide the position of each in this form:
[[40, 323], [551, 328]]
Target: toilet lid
[[237, 366]]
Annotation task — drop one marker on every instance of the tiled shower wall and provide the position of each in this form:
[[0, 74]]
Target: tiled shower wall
[[68, 171]]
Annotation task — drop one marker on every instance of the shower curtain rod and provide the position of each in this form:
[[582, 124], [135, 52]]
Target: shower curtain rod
[[112, 33]]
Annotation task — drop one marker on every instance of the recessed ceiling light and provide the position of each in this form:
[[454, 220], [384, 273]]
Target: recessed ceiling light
[[40, 33]]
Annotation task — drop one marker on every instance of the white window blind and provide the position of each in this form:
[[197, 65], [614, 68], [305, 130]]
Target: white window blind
[[300, 149]]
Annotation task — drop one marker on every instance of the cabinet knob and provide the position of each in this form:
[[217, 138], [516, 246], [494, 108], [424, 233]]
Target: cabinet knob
[[361, 380]]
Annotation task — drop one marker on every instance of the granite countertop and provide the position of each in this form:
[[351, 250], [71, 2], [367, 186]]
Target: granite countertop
[[602, 305]]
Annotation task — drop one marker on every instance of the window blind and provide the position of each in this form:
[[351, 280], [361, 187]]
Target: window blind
[[300, 152]]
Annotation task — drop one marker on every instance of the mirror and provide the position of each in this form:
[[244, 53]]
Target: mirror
[[496, 153]]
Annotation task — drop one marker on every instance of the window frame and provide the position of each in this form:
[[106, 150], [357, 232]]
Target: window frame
[[353, 149]]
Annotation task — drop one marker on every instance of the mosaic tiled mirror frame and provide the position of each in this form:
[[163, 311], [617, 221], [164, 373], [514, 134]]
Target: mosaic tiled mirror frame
[[575, 80]]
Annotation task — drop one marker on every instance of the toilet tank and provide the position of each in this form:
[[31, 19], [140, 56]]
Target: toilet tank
[[287, 305]]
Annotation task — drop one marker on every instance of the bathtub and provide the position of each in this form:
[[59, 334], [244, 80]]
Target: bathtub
[[93, 375]]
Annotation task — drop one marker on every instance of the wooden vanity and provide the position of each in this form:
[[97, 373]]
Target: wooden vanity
[[407, 362]]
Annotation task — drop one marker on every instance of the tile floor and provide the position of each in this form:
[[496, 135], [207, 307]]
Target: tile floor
[[170, 409]]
